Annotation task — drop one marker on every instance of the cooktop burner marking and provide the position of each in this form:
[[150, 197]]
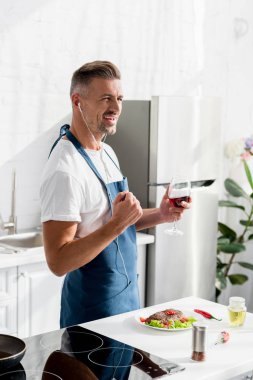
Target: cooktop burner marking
[[48, 342], [138, 356], [97, 344], [31, 374]]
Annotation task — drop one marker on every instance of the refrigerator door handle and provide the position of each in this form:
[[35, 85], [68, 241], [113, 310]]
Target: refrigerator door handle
[[200, 183]]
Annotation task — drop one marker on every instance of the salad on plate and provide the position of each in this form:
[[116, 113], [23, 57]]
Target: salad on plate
[[169, 319]]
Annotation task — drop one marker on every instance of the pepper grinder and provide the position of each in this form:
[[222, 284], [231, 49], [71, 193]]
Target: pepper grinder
[[199, 341]]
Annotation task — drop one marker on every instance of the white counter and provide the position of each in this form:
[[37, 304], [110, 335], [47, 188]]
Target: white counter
[[224, 361], [31, 256], [37, 255], [143, 239]]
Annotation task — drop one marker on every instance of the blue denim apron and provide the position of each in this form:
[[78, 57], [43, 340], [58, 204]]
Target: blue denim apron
[[108, 284]]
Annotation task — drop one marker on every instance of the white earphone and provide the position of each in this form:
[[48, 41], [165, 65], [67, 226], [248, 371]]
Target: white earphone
[[79, 106]]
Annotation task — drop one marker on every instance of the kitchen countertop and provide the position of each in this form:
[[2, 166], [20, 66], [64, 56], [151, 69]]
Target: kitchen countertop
[[36, 255], [224, 361]]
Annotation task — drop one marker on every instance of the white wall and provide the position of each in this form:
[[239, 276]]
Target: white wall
[[228, 62], [27, 167], [228, 36], [163, 47], [43, 42]]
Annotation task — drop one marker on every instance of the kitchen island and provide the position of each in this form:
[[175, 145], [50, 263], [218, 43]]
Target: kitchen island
[[223, 361], [119, 347]]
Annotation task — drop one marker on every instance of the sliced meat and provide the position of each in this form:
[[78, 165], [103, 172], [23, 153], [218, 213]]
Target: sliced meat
[[165, 315]]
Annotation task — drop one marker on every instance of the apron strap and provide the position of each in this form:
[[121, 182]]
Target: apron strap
[[81, 150], [86, 157], [113, 161], [63, 132]]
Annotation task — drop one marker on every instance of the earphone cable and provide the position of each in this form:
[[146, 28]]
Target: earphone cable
[[86, 124]]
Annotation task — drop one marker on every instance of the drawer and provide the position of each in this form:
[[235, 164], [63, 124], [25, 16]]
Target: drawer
[[8, 316], [8, 283]]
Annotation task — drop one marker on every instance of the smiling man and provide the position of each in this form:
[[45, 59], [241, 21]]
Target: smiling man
[[89, 216]]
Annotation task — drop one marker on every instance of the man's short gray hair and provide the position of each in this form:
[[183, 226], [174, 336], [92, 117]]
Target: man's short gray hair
[[97, 69]]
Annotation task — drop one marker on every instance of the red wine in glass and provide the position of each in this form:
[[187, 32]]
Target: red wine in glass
[[177, 196], [178, 192]]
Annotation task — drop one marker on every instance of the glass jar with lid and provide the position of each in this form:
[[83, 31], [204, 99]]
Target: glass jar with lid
[[236, 311]]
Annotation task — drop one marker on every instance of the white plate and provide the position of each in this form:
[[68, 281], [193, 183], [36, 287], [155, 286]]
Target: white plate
[[186, 313]]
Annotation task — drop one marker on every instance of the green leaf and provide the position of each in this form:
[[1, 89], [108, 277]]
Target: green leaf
[[250, 237], [248, 223], [237, 279], [221, 281], [245, 265], [219, 263], [223, 240], [234, 189], [248, 173], [230, 204], [232, 248], [221, 266], [226, 231]]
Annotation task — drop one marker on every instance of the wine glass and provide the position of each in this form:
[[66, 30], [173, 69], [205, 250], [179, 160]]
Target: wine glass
[[179, 190]]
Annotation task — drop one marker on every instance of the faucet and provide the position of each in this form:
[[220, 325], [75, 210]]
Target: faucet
[[10, 226]]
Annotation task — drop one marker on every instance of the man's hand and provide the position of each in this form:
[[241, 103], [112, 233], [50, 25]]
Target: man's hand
[[168, 212], [126, 210]]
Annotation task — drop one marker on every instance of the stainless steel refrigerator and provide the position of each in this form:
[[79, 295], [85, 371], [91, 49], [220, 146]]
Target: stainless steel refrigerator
[[155, 141]]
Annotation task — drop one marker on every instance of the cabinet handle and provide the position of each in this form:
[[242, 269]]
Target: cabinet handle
[[23, 274]]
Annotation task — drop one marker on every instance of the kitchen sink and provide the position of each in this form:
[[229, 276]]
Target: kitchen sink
[[20, 241]]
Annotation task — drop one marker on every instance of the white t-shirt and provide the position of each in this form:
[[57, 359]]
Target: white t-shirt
[[70, 190]]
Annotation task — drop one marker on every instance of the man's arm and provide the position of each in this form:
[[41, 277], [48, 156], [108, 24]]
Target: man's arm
[[150, 218], [65, 254], [164, 214]]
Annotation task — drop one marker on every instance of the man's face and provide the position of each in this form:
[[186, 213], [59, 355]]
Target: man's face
[[102, 104]]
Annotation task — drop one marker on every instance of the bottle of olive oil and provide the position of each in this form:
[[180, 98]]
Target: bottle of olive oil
[[236, 311]]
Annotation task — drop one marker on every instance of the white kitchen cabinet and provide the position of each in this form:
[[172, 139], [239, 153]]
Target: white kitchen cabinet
[[8, 301], [39, 294]]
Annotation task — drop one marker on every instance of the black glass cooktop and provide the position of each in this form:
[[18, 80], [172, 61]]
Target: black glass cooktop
[[77, 353]]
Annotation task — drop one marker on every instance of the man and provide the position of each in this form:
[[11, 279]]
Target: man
[[89, 216]]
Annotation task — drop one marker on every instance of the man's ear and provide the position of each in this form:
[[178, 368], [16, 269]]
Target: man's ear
[[75, 98]]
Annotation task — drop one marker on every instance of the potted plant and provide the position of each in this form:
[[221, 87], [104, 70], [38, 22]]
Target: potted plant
[[230, 242]]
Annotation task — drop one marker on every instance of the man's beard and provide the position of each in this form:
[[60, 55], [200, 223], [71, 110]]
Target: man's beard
[[107, 130]]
